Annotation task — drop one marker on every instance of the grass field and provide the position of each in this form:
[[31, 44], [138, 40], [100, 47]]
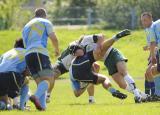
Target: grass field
[[63, 100]]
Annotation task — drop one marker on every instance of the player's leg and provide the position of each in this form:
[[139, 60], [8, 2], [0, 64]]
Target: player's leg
[[149, 81], [58, 70], [56, 74], [149, 86], [156, 96], [78, 87], [154, 70], [116, 65], [101, 79], [16, 103], [90, 90], [40, 68], [15, 85], [131, 86], [108, 43], [24, 94], [4, 80]]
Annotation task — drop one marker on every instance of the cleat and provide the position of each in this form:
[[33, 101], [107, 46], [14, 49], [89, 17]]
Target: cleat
[[48, 100], [153, 98], [119, 95], [9, 107], [36, 102], [137, 99], [121, 34], [144, 97], [91, 101], [16, 106]]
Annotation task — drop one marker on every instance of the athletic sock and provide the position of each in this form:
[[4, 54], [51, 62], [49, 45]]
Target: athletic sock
[[132, 89], [152, 86], [91, 97], [16, 101], [131, 86], [128, 79], [111, 89], [147, 87], [42, 100], [41, 89], [48, 95], [23, 96], [157, 85]]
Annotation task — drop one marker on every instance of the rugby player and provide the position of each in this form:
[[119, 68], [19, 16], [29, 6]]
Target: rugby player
[[35, 37], [12, 73], [152, 30], [89, 42]]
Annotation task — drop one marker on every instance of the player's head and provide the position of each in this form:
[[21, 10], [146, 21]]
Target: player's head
[[146, 19], [19, 43], [40, 13], [76, 50]]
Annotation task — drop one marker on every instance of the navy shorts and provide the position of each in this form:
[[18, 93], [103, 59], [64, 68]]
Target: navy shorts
[[39, 65], [10, 84], [89, 77]]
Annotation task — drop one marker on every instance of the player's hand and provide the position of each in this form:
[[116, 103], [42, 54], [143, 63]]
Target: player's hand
[[145, 48], [121, 34], [96, 67], [153, 60]]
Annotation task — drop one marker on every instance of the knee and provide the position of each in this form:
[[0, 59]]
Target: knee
[[122, 71], [107, 85], [76, 94]]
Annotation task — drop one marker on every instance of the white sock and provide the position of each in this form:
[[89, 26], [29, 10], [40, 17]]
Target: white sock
[[91, 97], [131, 88], [48, 94], [128, 79], [136, 93], [16, 101], [131, 85]]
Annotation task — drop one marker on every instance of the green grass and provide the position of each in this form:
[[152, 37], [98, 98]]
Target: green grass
[[63, 100]]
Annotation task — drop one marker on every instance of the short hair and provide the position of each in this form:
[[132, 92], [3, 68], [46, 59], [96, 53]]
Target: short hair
[[146, 14], [19, 43], [40, 12]]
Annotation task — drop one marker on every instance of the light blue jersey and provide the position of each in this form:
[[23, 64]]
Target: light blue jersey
[[13, 60], [153, 33], [35, 35]]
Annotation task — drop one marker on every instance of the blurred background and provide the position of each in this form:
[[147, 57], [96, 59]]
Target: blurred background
[[104, 14]]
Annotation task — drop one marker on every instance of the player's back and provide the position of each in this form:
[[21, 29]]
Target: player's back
[[35, 34], [13, 60]]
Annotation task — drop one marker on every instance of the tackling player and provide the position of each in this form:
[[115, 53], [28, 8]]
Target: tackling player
[[89, 42], [81, 73]]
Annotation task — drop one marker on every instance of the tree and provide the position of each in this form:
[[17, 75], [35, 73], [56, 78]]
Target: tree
[[7, 12]]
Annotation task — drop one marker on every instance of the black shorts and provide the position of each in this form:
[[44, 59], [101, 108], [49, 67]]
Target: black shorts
[[90, 77], [10, 84], [39, 65]]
